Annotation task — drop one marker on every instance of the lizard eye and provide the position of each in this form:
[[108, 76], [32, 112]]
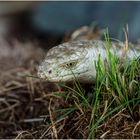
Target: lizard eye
[[69, 65]]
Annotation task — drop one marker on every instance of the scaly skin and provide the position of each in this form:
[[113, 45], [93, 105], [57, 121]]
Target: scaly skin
[[77, 59]]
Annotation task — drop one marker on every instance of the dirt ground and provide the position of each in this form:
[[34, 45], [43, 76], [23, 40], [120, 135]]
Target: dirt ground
[[27, 104]]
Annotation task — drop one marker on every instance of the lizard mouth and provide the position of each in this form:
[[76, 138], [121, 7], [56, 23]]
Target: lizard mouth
[[68, 77], [61, 78]]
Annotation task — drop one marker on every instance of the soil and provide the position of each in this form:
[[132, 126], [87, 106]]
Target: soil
[[28, 104]]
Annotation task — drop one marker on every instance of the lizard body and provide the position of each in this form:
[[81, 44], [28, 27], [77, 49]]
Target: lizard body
[[77, 59]]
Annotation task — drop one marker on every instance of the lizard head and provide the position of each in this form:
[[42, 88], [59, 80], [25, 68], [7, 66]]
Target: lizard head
[[66, 62]]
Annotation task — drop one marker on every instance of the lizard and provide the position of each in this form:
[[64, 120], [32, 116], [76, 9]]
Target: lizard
[[77, 59]]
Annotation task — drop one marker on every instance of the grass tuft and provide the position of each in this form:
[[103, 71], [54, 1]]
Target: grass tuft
[[117, 88]]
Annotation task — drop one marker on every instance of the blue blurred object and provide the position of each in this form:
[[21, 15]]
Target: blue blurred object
[[60, 17]]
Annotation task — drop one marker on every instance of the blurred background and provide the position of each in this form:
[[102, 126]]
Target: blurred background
[[55, 19]]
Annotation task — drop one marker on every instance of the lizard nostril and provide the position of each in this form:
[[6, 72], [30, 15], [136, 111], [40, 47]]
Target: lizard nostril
[[50, 71]]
